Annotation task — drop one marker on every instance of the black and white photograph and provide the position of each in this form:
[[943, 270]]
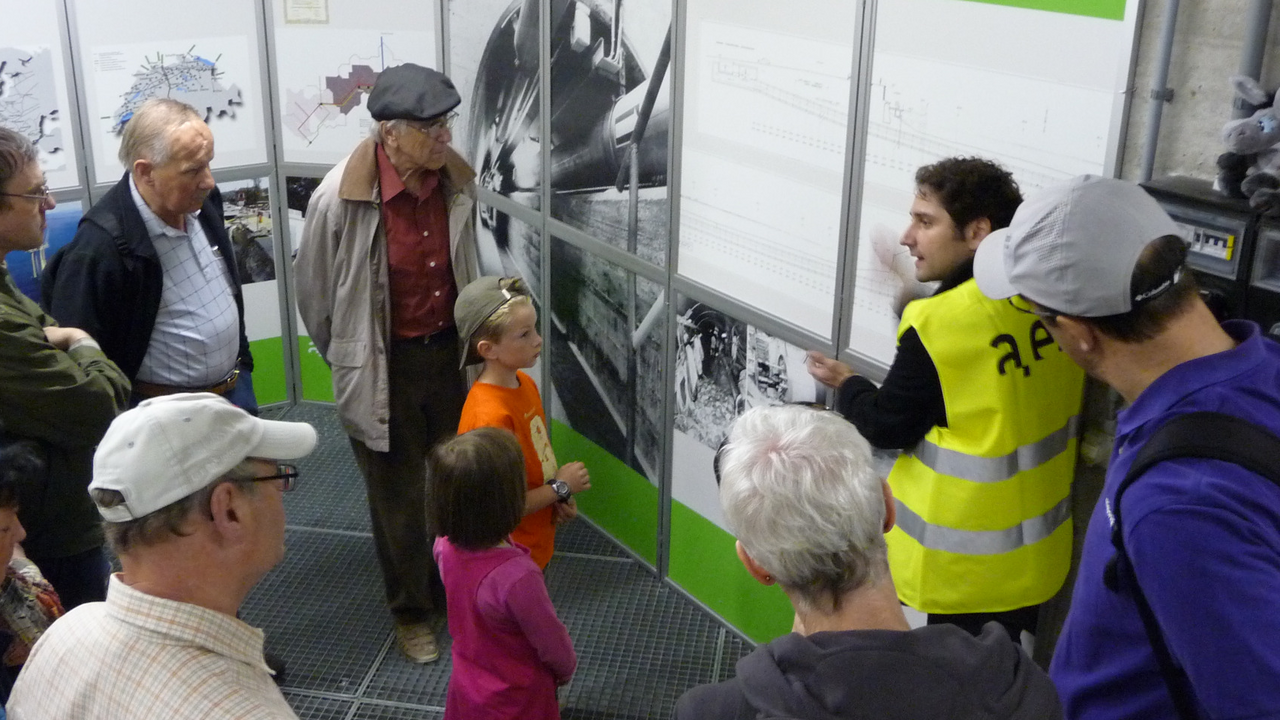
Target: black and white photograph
[[246, 207], [607, 330], [509, 247], [297, 194], [725, 367], [494, 62], [610, 112], [610, 122]]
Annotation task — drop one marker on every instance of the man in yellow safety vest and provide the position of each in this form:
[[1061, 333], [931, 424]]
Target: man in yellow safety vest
[[984, 406]]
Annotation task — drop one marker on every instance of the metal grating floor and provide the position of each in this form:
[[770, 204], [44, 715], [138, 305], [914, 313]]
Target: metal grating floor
[[640, 644]]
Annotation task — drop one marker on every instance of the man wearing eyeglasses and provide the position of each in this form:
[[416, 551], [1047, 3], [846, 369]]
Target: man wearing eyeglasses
[[389, 239], [190, 492], [984, 406], [1105, 267], [57, 388]]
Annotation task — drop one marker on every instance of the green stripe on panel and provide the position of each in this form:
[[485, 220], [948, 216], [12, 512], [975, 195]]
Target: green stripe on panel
[[270, 384], [1104, 9], [621, 501], [317, 383], [705, 563]]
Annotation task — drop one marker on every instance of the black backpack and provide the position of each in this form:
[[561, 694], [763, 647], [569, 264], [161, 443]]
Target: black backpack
[[1211, 435]]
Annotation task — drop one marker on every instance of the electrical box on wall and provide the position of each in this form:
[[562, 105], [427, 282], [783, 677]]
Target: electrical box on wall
[[1263, 296], [1222, 234]]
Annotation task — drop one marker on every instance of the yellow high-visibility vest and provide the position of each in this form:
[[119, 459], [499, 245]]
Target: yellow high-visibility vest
[[983, 505]]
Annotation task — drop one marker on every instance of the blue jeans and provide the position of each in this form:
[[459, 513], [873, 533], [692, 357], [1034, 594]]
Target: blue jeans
[[242, 394]]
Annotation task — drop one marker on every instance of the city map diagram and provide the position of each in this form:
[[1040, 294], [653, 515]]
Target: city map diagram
[[309, 112], [185, 76], [29, 101], [323, 100]]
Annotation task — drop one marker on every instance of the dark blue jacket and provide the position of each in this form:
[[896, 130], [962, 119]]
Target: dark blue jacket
[[107, 280]]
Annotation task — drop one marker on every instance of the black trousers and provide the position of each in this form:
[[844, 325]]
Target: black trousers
[[1013, 621], [427, 393]]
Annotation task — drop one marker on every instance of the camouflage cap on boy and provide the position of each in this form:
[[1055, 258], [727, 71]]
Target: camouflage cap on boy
[[477, 303]]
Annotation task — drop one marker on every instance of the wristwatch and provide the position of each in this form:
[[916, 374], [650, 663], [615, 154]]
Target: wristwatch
[[562, 489]]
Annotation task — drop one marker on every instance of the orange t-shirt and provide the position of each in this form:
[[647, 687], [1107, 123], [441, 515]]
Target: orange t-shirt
[[520, 411]]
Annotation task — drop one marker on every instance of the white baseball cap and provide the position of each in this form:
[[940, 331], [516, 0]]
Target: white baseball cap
[[1073, 247], [171, 446]]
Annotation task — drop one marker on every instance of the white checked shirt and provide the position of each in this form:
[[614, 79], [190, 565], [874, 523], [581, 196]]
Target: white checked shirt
[[139, 656], [196, 338]]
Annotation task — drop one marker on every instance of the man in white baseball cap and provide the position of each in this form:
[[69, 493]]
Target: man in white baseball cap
[[1102, 264], [190, 489]]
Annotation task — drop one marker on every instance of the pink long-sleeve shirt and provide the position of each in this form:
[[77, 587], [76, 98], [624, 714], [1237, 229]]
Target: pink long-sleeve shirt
[[510, 651]]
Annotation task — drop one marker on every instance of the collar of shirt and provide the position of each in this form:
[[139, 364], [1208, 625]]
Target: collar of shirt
[[1194, 375], [186, 624], [156, 226], [390, 183]]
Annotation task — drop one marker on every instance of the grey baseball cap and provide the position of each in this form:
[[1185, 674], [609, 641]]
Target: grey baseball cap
[[477, 302], [1072, 247]]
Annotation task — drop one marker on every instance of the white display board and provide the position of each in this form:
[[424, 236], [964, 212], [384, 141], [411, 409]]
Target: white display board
[[766, 100], [34, 100], [1040, 92], [176, 49], [326, 64]]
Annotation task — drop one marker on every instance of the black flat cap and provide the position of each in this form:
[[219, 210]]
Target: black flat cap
[[412, 92]]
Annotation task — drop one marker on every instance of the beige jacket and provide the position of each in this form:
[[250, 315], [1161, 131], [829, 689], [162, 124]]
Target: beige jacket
[[342, 287]]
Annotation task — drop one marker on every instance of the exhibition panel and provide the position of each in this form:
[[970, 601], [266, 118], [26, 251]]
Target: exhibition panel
[[605, 351], [1033, 102]]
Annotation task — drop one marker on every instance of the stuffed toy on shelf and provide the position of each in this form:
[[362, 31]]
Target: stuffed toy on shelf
[[1251, 166]]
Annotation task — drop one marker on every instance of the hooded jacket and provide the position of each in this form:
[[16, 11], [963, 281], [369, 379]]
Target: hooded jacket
[[937, 672]]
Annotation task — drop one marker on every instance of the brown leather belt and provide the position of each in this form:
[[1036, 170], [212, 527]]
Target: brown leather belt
[[449, 334], [150, 390]]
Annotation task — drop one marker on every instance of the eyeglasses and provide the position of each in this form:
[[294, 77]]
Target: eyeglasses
[[41, 194], [287, 474], [1023, 305], [433, 128]]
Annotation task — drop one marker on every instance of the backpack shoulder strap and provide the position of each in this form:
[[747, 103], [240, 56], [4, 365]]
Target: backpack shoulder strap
[[1211, 435]]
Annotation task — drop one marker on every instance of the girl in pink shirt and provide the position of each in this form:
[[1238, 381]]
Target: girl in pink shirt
[[510, 651]]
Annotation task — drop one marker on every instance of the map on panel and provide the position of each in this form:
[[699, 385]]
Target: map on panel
[[29, 101], [186, 76], [325, 79], [308, 114]]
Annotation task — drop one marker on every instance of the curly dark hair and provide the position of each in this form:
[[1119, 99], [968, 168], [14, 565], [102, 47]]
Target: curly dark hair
[[970, 188], [22, 463]]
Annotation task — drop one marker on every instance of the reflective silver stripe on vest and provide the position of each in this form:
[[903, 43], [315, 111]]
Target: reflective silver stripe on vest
[[997, 469], [982, 542]]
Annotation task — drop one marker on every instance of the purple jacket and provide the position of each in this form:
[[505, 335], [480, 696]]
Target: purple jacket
[[1204, 537]]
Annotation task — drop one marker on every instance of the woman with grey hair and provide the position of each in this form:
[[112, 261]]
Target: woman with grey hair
[[801, 494]]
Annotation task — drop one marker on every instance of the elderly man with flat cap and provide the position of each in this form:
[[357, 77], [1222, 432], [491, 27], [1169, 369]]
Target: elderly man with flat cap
[[389, 239]]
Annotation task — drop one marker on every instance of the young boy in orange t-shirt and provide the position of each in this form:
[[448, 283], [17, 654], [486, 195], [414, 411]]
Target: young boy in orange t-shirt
[[497, 319]]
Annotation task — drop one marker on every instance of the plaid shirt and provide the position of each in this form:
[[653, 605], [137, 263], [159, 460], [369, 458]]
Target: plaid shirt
[[139, 656]]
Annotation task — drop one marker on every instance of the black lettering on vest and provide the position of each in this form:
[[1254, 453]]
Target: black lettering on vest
[[1040, 338], [1013, 356]]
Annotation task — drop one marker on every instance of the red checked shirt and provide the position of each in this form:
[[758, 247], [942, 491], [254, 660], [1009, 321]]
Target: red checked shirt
[[421, 276]]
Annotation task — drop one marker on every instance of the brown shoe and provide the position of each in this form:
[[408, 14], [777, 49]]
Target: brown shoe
[[418, 642]]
